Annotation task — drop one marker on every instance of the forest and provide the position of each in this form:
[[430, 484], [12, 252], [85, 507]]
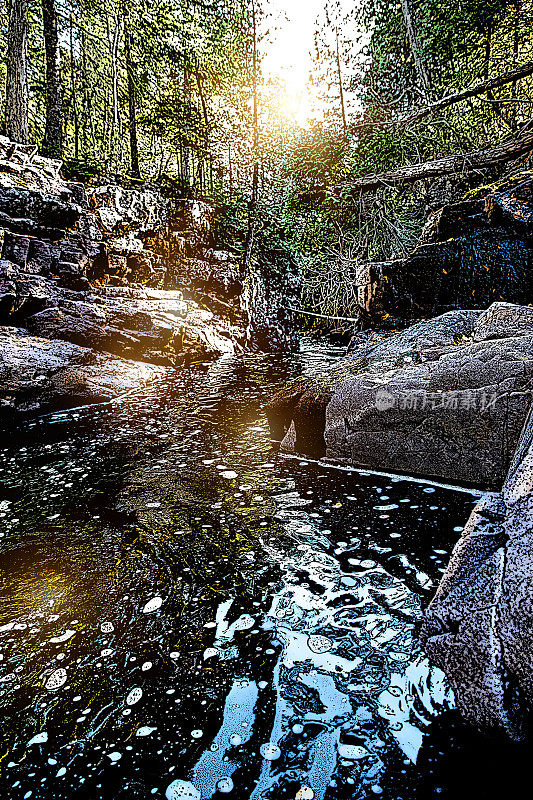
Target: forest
[[173, 92]]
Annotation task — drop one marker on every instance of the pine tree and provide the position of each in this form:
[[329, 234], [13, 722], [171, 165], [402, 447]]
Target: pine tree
[[16, 107], [53, 136]]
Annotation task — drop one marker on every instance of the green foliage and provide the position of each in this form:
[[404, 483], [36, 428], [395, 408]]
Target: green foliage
[[190, 77], [458, 44]]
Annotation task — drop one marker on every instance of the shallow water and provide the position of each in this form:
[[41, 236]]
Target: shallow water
[[186, 613]]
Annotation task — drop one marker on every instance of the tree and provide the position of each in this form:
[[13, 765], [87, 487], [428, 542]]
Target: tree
[[16, 108], [53, 136], [134, 147], [414, 44], [252, 205]]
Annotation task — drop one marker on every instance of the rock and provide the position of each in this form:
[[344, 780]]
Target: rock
[[266, 300], [503, 319], [58, 240], [470, 253], [93, 326], [479, 626], [37, 374], [35, 212], [513, 206], [195, 219], [121, 209], [220, 277], [33, 294], [427, 401]]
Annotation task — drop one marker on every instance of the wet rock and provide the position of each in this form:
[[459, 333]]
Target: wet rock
[[37, 374], [427, 401], [95, 326], [478, 627], [470, 253]]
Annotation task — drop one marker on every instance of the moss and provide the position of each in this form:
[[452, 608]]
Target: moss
[[500, 185]]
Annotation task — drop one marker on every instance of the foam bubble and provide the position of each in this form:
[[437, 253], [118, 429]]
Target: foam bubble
[[270, 751], [319, 644], [39, 738], [225, 785], [153, 605], [56, 679], [182, 790], [134, 696], [145, 730]]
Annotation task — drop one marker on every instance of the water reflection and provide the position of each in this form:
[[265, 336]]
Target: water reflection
[[185, 613]]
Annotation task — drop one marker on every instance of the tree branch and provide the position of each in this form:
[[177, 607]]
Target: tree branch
[[487, 85]]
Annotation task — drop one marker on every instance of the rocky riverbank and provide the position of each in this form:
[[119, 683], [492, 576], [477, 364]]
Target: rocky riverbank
[[471, 252], [448, 398], [445, 398], [101, 290]]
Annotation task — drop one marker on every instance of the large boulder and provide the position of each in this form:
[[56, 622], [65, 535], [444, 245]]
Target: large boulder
[[470, 253], [479, 625], [121, 328], [428, 401]]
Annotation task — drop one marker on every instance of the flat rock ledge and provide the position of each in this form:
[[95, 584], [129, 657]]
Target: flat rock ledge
[[449, 398]]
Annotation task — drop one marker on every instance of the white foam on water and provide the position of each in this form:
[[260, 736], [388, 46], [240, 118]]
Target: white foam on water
[[152, 605], [182, 790], [134, 696], [57, 679], [39, 738]]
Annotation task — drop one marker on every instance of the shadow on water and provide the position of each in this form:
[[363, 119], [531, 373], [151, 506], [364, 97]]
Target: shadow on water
[[185, 612]]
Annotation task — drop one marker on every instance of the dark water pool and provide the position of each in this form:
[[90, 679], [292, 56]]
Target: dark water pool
[[184, 613]]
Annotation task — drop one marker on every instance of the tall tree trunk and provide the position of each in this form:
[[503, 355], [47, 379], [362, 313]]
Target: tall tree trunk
[[87, 119], [185, 146], [516, 48], [341, 89], [414, 45], [206, 119], [116, 130], [16, 109], [134, 148], [73, 92], [230, 166], [252, 205], [53, 136]]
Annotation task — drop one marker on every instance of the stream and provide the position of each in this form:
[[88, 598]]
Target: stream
[[186, 613]]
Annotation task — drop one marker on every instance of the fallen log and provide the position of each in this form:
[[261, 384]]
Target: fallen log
[[449, 165], [324, 316]]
